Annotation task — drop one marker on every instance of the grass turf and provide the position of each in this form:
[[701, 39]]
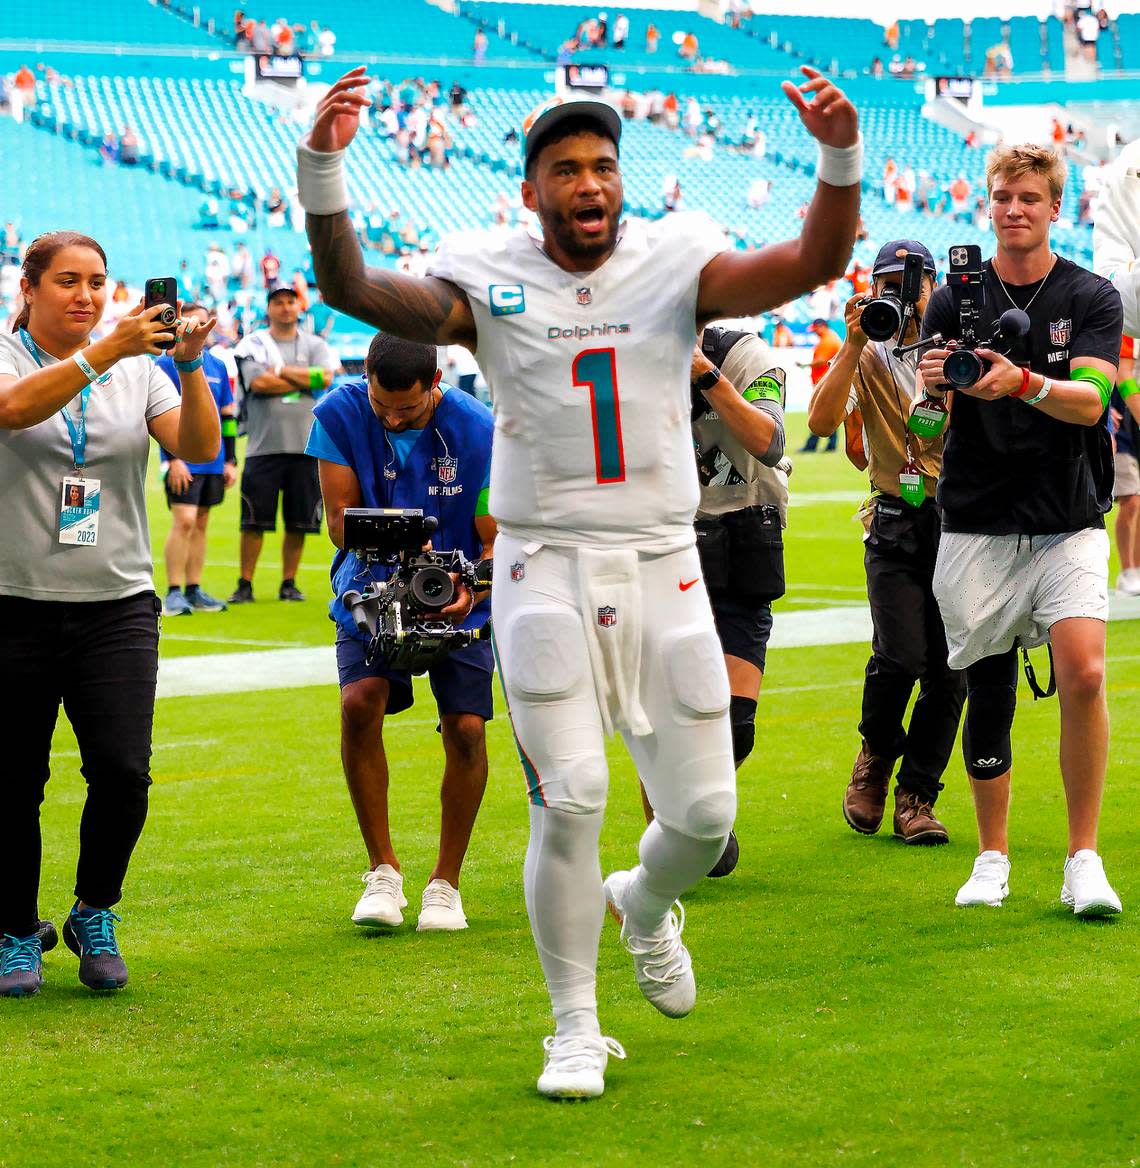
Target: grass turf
[[848, 1013]]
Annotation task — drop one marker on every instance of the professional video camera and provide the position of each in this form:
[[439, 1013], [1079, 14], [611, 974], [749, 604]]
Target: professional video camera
[[887, 315], [963, 367], [400, 615]]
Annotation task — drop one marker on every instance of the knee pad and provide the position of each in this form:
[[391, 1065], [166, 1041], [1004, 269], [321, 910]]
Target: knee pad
[[742, 714], [991, 688], [712, 815], [697, 678], [546, 654]]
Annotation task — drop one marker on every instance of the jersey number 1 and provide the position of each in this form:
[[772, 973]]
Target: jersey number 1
[[596, 370]]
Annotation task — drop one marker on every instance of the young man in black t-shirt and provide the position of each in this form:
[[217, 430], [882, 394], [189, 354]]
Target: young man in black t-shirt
[[1025, 485]]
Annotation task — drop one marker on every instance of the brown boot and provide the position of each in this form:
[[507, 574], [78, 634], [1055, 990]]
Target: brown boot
[[914, 820], [866, 794]]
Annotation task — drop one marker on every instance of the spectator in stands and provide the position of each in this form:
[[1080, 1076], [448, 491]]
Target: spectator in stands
[[240, 212], [827, 344], [689, 49], [209, 215], [621, 30], [241, 267], [376, 441], [12, 245], [328, 41], [602, 29], [90, 599], [438, 144], [904, 188], [109, 149], [890, 179], [261, 38], [652, 36], [479, 46], [277, 208], [320, 319], [193, 488], [891, 36], [1088, 32], [128, 147], [691, 122], [960, 198], [217, 273], [860, 279], [758, 193], [877, 67], [671, 193], [284, 40], [281, 370], [270, 269], [782, 337], [670, 109]]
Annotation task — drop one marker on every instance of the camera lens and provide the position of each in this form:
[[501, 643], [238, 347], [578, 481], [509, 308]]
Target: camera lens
[[962, 368], [958, 256], [431, 589], [881, 318]]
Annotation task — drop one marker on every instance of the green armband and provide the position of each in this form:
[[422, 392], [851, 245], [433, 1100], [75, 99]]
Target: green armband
[[316, 377], [1128, 388], [229, 427], [481, 504], [765, 388], [1095, 377]]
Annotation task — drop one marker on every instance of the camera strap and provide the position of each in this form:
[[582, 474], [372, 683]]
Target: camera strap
[[1031, 676]]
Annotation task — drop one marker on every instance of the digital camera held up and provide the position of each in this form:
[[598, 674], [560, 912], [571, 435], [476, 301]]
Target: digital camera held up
[[400, 615], [964, 367], [887, 315]]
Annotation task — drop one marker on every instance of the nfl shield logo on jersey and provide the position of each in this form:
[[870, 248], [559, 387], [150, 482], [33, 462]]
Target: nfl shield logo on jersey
[[607, 616], [1060, 331], [447, 467], [583, 295], [518, 570]]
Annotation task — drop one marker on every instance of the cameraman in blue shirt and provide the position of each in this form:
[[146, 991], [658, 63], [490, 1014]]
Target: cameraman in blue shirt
[[399, 438]]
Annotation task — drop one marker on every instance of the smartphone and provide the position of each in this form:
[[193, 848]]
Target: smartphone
[[163, 290]]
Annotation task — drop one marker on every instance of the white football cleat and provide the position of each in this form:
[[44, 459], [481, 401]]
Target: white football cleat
[[441, 909], [575, 1066], [988, 883], [383, 897], [661, 962], [1086, 889]]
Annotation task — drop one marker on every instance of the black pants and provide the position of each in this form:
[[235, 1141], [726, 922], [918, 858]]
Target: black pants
[[909, 645], [101, 660]]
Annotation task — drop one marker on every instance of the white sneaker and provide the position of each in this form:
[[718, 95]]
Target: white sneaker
[[574, 1067], [441, 909], [383, 897], [1086, 888], [1128, 582], [661, 962], [988, 883]]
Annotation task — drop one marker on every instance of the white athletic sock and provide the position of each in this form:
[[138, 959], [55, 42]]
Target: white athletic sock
[[671, 863], [563, 883]]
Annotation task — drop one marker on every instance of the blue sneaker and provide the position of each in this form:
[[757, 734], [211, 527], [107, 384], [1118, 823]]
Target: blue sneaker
[[203, 602], [21, 965], [90, 934], [176, 604]]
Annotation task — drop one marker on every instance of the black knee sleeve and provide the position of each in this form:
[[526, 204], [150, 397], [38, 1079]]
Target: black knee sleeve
[[991, 690], [742, 714]]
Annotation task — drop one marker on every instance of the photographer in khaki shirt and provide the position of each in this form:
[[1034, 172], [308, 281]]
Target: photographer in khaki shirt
[[866, 381]]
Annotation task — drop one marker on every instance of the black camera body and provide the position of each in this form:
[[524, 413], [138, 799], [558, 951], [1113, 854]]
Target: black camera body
[[400, 615], [887, 315], [163, 290], [964, 367]]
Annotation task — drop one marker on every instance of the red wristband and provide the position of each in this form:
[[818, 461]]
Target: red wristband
[[1020, 391]]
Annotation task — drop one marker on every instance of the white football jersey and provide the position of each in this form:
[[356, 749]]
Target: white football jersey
[[590, 380]]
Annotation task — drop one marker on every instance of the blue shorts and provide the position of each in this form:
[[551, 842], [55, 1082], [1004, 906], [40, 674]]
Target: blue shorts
[[461, 682]]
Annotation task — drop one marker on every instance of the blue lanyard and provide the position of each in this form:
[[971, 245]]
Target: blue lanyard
[[77, 432]]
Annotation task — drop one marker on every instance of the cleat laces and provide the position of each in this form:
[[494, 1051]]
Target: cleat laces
[[659, 958], [579, 1052], [439, 895], [20, 955], [98, 932], [388, 883]]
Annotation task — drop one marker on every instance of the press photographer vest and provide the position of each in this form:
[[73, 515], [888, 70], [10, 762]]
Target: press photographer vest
[[1009, 468]]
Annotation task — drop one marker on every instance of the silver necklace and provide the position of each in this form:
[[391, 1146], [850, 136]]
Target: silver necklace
[[1035, 294]]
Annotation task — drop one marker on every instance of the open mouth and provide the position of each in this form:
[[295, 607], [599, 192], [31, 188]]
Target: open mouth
[[591, 219]]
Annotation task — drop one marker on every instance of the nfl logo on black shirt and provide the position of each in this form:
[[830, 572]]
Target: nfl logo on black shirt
[[1060, 331], [607, 616]]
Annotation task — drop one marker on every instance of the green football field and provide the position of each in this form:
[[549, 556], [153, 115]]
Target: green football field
[[848, 1013]]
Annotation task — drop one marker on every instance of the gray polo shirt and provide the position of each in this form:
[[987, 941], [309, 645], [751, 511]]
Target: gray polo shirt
[[34, 463], [280, 424]]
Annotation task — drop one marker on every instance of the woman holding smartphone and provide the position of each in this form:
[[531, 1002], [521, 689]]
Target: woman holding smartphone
[[78, 611]]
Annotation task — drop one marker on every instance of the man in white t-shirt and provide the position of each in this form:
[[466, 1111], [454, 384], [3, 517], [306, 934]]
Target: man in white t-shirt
[[602, 619]]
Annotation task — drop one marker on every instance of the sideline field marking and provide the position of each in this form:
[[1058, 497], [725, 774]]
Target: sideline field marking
[[236, 641], [293, 668], [172, 744]]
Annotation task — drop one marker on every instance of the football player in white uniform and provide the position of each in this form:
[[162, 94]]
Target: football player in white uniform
[[602, 621]]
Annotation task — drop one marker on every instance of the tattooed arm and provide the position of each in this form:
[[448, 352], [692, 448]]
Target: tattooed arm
[[416, 308], [425, 309]]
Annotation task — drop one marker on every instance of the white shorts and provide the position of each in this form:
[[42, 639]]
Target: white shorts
[[993, 590], [554, 630], [1127, 481]]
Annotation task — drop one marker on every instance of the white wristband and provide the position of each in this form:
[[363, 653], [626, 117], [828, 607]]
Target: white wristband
[[321, 185], [840, 166], [85, 366], [1046, 386]]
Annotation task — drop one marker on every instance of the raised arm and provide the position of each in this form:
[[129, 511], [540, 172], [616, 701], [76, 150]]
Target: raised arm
[[745, 283], [424, 309]]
